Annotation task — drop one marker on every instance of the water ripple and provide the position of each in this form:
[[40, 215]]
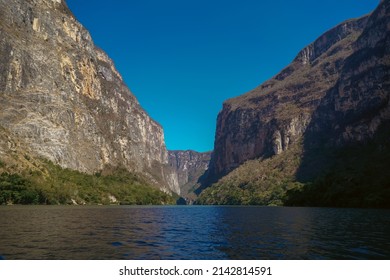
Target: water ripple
[[59, 232]]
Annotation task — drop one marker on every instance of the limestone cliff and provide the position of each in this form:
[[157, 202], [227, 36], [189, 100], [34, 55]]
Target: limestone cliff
[[189, 167], [359, 103], [336, 88], [63, 96]]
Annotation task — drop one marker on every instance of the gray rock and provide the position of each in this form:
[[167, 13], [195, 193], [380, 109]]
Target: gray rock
[[336, 91], [189, 167], [63, 96]]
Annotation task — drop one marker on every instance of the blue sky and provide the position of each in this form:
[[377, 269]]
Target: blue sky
[[183, 58]]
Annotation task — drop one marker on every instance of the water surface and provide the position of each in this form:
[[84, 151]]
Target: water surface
[[192, 232]]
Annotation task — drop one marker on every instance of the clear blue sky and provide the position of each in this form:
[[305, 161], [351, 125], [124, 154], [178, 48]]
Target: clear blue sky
[[183, 58]]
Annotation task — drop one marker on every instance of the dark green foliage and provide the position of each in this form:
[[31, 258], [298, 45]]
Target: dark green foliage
[[352, 176], [16, 189], [256, 182], [65, 186], [359, 177]]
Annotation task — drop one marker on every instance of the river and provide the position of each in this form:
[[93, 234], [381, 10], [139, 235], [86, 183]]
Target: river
[[192, 232]]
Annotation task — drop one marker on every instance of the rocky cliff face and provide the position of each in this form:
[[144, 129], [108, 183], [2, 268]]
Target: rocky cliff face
[[358, 104], [63, 96], [189, 167], [338, 85], [318, 133]]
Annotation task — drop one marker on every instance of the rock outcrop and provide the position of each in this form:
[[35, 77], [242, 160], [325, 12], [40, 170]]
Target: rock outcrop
[[337, 88], [63, 96], [359, 103], [189, 167]]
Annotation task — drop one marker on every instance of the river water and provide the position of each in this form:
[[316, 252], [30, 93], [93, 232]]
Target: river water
[[192, 232]]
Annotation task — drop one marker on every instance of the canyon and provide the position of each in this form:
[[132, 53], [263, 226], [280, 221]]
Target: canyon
[[321, 123]]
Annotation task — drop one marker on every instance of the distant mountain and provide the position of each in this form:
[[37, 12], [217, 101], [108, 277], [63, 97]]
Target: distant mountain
[[62, 99], [189, 167], [328, 107]]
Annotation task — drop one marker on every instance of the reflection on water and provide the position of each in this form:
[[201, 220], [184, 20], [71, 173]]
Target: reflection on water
[[67, 232]]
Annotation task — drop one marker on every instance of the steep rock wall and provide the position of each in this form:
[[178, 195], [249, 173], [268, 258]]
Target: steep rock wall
[[359, 103], [331, 86], [189, 167], [63, 95]]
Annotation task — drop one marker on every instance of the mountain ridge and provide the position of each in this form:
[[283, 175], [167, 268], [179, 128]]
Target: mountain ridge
[[334, 93], [273, 98]]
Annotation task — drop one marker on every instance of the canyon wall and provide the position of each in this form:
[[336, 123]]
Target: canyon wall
[[64, 97]]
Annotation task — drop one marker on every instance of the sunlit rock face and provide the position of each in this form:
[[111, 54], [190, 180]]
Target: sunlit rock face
[[336, 91], [63, 96]]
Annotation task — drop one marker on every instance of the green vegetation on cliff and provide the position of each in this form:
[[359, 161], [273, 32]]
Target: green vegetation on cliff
[[256, 182], [55, 185], [353, 176], [358, 176], [28, 179]]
